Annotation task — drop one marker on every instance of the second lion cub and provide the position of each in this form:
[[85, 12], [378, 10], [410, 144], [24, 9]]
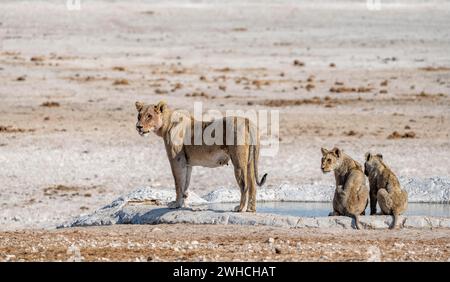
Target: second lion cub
[[384, 188], [351, 195]]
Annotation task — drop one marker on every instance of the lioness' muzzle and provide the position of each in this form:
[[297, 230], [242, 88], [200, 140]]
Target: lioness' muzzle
[[141, 130]]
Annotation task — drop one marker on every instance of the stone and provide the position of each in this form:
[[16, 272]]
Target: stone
[[148, 206]]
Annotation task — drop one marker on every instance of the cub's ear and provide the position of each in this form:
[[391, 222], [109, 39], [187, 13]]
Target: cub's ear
[[380, 156], [367, 156], [161, 106], [337, 152], [324, 151], [139, 106]]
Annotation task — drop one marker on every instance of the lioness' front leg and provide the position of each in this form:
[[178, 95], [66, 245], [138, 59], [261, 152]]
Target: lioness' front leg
[[180, 175]]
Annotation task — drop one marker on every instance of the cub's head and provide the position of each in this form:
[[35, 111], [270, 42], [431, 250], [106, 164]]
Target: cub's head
[[331, 159], [149, 117], [372, 161]]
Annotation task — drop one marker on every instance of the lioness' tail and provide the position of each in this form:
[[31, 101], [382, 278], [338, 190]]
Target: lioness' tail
[[255, 152]]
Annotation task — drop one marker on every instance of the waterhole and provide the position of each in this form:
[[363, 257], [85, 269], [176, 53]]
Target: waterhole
[[309, 209]]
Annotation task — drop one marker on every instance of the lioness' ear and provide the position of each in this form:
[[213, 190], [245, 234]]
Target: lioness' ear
[[337, 152], [161, 106], [380, 156], [139, 106], [324, 151], [367, 156]]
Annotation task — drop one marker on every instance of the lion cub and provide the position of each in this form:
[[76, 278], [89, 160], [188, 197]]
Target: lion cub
[[351, 194], [384, 188]]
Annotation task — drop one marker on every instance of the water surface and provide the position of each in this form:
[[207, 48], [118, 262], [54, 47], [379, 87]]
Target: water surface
[[308, 209]]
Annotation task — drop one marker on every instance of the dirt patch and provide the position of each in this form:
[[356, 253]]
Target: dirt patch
[[159, 91], [118, 68], [309, 86], [397, 135], [239, 29], [424, 94], [227, 69], [149, 13], [197, 94], [326, 101], [258, 83], [350, 133], [176, 86], [37, 59], [298, 63]]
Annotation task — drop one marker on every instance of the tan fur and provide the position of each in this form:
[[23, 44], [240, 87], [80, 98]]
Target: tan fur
[[384, 188], [351, 194], [173, 126]]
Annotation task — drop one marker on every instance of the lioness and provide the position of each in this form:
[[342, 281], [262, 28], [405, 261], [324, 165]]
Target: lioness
[[351, 194], [384, 188], [175, 127]]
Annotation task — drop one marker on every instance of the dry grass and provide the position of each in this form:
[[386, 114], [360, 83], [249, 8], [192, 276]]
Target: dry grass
[[11, 129], [344, 89], [435, 69], [397, 135], [121, 81], [50, 104]]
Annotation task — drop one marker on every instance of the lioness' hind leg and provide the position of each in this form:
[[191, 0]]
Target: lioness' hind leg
[[385, 201], [356, 217], [386, 205], [394, 222], [251, 182], [241, 177], [239, 158], [364, 211]]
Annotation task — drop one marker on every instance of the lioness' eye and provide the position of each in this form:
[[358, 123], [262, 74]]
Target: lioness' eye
[[329, 160], [149, 116]]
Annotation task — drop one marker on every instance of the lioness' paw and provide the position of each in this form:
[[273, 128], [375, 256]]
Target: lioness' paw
[[173, 205], [238, 209]]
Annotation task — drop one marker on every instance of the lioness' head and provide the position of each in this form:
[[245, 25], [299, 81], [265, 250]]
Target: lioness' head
[[372, 161], [331, 159], [149, 117]]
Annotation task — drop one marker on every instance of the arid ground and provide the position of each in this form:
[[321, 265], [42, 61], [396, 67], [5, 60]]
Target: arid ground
[[338, 73], [180, 242]]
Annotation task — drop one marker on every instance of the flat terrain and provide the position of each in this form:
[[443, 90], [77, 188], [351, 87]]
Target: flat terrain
[[338, 73], [223, 243]]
